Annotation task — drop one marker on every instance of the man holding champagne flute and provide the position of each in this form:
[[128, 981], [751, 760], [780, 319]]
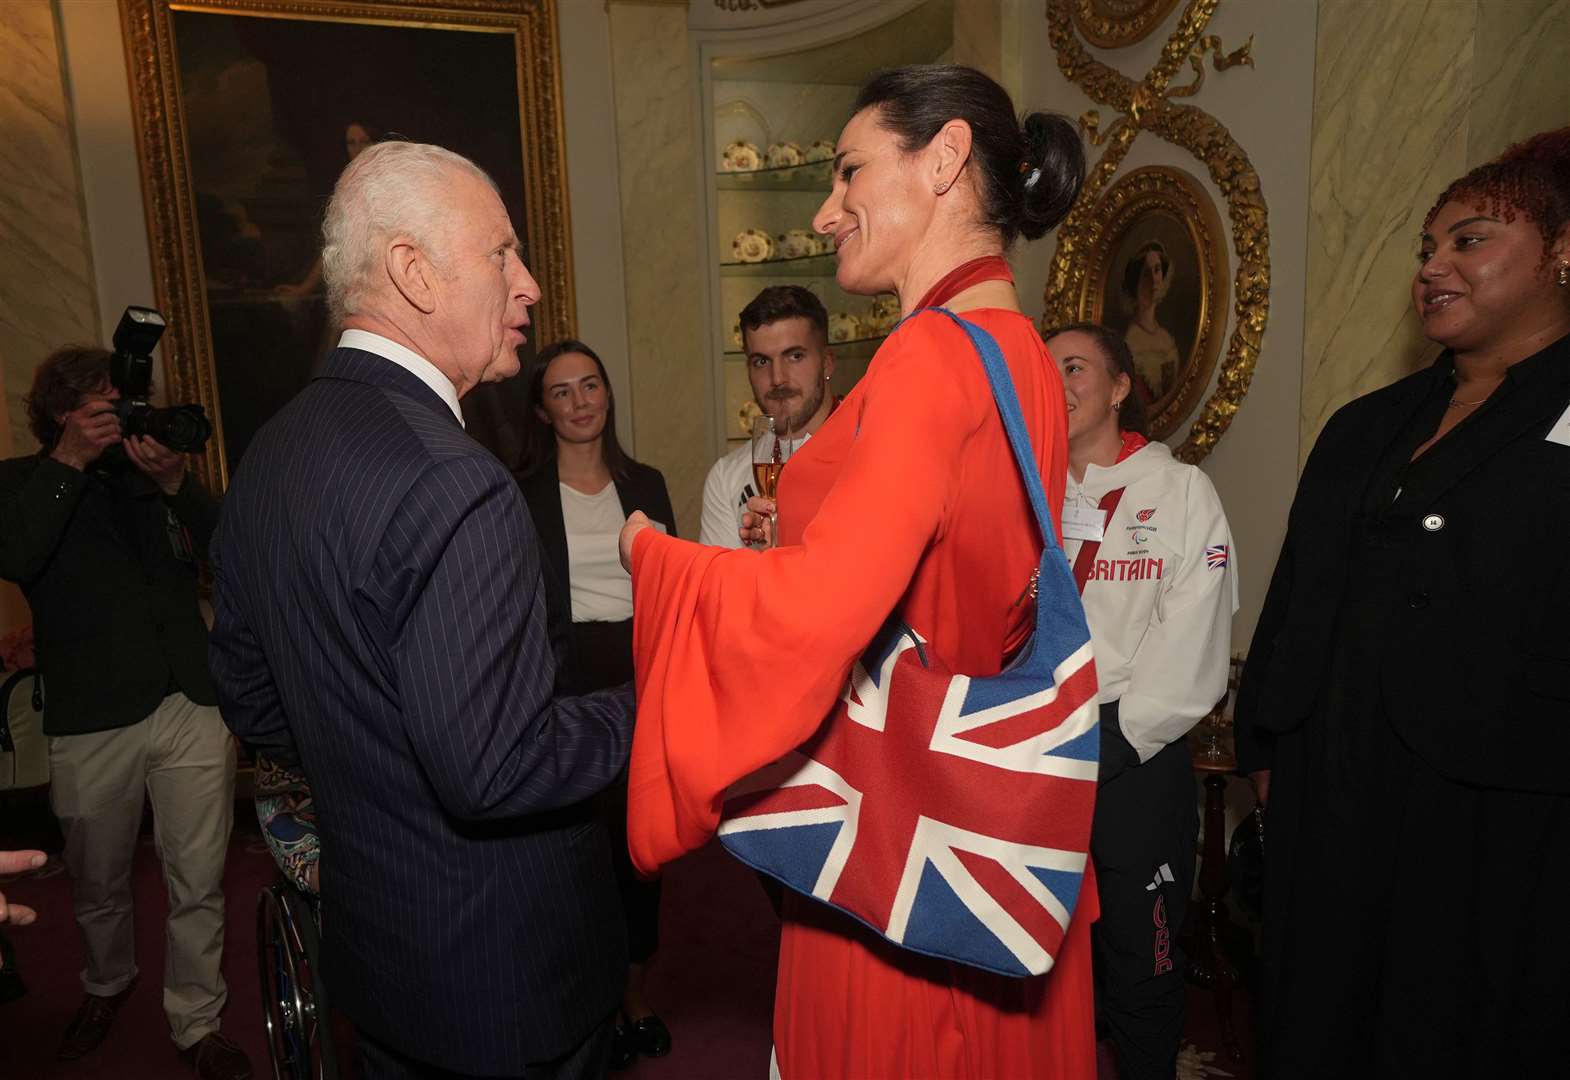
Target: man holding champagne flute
[[785, 332]]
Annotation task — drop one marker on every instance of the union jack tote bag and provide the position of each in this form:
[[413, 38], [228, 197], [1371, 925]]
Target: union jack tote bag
[[950, 814]]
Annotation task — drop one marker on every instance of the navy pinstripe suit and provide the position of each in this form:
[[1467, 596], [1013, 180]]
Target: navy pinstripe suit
[[381, 616]]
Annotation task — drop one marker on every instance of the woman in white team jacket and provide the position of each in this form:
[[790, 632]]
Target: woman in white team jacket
[[1153, 556]]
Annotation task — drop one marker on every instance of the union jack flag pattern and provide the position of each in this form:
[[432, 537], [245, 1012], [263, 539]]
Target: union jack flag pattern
[[951, 814], [1216, 556]]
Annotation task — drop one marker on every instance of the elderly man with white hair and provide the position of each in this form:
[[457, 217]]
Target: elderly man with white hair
[[381, 620]]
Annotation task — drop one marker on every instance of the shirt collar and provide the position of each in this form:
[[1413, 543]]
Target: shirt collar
[[409, 360]]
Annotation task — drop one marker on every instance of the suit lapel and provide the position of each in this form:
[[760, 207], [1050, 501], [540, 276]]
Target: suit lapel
[[1530, 400]]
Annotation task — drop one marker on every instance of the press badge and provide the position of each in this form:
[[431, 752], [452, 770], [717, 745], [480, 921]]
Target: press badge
[[1084, 522], [1560, 432]]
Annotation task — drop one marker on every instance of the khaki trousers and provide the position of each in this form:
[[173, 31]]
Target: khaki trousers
[[183, 758]]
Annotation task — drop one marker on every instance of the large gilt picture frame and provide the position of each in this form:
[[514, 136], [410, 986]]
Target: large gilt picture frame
[[1157, 277], [245, 113]]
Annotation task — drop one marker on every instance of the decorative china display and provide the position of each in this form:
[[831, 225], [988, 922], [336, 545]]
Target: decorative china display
[[783, 155], [843, 327], [882, 316], [822, 150], [752, 246], [797, 244], [735, 335], [823, 244], [741, 157]]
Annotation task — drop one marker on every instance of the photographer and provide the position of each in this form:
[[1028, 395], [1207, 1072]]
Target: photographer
[[103, 534]]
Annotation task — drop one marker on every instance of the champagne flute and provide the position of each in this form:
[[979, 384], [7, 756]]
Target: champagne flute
[[771, 448]]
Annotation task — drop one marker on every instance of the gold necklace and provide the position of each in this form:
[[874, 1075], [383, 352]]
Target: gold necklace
[[1456, 404]]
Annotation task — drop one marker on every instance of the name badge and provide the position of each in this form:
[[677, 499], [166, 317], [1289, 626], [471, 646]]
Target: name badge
[[1084, 522], [1560, 432]]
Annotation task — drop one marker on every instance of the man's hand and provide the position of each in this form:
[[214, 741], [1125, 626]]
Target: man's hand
[[165, 467], [637, 521], [88, 430], [757, 524], [14, 862]]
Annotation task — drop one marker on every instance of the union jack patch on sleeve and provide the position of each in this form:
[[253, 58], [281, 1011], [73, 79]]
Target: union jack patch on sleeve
[[1216, 556]]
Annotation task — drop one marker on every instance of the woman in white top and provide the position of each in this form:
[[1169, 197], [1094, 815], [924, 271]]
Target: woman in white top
[[1153, 556], [580, 486]]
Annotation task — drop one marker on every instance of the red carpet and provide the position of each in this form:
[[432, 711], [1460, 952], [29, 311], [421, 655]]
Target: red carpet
[[712, 983]]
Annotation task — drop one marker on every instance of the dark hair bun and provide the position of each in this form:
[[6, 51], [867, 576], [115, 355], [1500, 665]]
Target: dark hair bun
[[1051, 175]]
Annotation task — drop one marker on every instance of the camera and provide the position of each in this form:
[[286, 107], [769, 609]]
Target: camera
[[184, 429]]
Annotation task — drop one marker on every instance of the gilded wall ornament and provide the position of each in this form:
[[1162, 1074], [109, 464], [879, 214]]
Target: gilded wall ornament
[[1146, 105], [1111, 24]]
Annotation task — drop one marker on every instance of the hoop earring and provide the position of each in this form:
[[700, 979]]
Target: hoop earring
[[1116, 406], [1564, 274]]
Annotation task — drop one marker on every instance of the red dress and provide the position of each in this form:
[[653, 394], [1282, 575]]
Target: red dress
[[908, 496]]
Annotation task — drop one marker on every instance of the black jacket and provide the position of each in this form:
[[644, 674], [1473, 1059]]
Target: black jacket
[[380, 617], [109, 566], [1477, 676], [642, 489]]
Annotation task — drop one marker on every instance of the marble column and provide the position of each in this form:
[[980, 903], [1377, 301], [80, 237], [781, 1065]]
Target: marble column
[[1408, 95], [47, 297], [657, 145]]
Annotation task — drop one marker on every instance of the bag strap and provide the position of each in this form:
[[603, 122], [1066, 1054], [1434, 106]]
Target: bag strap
[[1013, 419]]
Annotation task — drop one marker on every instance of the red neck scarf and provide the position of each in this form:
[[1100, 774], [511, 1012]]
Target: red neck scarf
[[963, 276]]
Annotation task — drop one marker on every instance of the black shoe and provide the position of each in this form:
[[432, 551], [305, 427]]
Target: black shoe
[[650, 1036], [90, 1024], [623, 1048]]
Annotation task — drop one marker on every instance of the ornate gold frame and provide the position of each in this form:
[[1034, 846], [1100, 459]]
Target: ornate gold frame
[[167, 193], [1159, 188], [1104, 27], [1147, 105]]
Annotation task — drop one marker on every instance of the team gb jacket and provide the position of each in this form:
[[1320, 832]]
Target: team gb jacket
[[1160, 593]]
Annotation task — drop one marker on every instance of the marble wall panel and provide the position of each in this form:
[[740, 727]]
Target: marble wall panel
[[661, 215], [1521, 83], [1392, 93], [47, 295], [1408, 95]]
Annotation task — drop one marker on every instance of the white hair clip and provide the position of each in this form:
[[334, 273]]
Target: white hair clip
[[1030, 181]]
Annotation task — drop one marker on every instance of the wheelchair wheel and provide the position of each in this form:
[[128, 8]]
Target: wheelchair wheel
[[295, 1014]]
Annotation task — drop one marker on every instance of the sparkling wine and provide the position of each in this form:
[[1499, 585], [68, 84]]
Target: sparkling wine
[[766, 476]]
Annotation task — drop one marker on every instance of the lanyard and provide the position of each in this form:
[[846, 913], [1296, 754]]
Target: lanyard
[[1085, 561]]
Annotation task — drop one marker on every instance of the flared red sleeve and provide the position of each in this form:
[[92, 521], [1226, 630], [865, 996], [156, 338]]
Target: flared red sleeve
[[740, 655]]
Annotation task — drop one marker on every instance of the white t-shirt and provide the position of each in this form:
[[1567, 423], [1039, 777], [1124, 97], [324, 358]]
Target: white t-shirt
[[601, 589], [725, 495], [1160, 596]]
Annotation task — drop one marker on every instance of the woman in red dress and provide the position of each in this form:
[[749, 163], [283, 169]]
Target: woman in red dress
[[907, 498]]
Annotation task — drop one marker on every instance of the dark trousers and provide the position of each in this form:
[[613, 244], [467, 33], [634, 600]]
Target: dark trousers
[[1142, 841], [589, 1060], [601, 657]]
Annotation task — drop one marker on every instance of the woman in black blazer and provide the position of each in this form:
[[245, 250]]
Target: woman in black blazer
[[1405, 708], [580, 486]]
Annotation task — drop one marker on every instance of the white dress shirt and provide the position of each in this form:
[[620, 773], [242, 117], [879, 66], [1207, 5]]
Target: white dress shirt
[[411, 361]]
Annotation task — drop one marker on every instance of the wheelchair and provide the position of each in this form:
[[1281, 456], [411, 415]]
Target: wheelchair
[[296, 1016]]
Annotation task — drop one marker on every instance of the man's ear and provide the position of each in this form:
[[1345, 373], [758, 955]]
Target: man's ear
[[828, 364], [411, 274]]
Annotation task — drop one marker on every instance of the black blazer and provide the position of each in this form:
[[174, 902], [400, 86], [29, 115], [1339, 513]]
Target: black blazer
[[643, 489], [381, 619], [108, 564], [1477, 679]]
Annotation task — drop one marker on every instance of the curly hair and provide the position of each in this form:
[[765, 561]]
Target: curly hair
[[1532, 178], [59, 384]]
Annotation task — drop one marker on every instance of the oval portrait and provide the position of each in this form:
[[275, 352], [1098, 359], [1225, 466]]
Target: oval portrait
[[1157, 277]]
